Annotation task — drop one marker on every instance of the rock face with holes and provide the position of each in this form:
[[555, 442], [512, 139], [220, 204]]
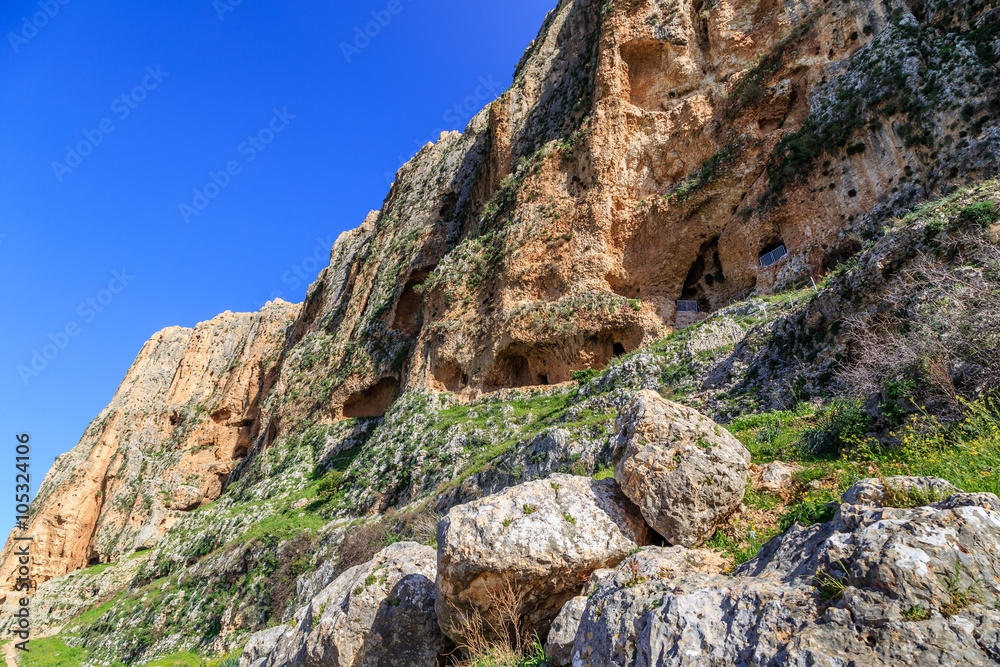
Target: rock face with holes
[[380, 614], [182, 419], [685, 472], [647, 152], [875, 586], [529, 549]]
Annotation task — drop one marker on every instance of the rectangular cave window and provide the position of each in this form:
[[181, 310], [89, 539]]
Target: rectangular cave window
[[687, 307], [771, 257]]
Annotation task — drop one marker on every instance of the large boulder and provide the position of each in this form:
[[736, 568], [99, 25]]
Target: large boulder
[[685, 472], [649, 564], [380, 614], [260, 645], [874, 586], [527, 550]]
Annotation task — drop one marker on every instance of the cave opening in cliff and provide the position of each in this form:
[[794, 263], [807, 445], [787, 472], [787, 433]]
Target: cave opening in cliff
[[407, 319], [771, 253], [374, 401], [618, 350], [271, 434], [647, 60], [513, 370], [448, 376], [705, 276]]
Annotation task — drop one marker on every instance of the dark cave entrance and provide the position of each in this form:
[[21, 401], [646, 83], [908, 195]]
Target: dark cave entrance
[[705, 276], [771, 253], [374, 401], [407, 319]]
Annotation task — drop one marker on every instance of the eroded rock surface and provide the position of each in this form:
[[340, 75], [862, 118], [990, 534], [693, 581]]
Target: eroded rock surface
[[542, 540], [913, 586], [183, 417], [685, 472], [380, 614]]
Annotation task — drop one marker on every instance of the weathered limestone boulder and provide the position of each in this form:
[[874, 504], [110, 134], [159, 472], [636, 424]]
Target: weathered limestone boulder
[[649, 564], [536, 543], [559, 643], [778, 476], [256, 650], [872, 492], [607, 631], [380, 614], [917, 586], [685, 472]]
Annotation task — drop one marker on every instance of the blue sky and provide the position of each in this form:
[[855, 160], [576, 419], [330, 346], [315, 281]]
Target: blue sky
[[119, 121]]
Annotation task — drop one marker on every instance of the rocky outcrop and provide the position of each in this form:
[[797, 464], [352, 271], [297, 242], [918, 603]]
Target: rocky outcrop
[[645, 565], [875, 586], [530, 548], [182, 419], [685, 472], [380, 614], [882, 492]]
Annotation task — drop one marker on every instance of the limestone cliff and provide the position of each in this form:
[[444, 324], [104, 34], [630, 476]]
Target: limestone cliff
[[648, 152], [184, 414]]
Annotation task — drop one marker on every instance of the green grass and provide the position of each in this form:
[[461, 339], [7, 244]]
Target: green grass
[[52, 652], [283, 525], [92, 615], [775, 435], [182, 659], [604, 473], [740, 550], [966, 454], [96, 569], [518, 419]]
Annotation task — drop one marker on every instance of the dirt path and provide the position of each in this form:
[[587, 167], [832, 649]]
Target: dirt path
[[10, 654]]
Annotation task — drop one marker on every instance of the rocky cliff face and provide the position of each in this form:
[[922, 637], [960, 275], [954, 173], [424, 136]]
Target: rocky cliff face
[[647, 152], [166, 444]]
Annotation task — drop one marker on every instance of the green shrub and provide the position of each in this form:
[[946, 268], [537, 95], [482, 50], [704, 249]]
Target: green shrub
[[585, 376], [894, 396], [982, 214], [807, 512], [840, 424], [330, 483]]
